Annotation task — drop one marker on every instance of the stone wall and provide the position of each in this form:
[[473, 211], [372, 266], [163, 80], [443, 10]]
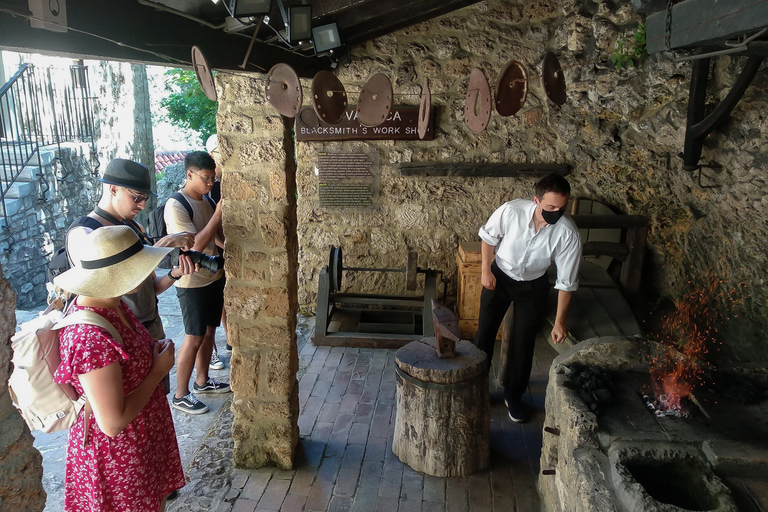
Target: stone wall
[[259, 210], [21, 465], [66, 191], [620, 130]]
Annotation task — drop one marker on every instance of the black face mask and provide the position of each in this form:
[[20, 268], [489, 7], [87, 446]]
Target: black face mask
[[552, 217]]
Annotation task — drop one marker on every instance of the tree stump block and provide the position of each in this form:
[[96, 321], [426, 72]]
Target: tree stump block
[[443, 409]]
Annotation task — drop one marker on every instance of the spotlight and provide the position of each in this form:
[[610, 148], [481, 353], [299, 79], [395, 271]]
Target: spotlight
[[245, 8], [326, 37], [300, 23]]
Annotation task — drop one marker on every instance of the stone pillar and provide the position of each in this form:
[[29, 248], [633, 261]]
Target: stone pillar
[[259, 192], [21, 465]]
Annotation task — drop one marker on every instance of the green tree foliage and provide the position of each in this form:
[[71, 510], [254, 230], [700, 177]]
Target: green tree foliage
[[187, 105]]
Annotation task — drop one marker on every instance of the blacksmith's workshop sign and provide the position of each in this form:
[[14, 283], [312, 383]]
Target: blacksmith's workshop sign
[[347, 180], [401, 124]]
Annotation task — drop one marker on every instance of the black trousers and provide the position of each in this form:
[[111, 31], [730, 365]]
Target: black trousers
[[530, 299]]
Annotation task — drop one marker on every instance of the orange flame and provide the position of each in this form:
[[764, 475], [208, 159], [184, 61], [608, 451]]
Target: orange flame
[[686, 334]]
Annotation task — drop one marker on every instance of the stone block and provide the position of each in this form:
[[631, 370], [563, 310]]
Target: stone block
[[245, 302], [273, 229], [278, 267], [277, 186], [262, 151], [237, 187], [245, 372], [235, 123], [276, 302], [234, 262]]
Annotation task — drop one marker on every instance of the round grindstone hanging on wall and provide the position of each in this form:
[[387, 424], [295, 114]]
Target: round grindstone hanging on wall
[[329, 98], [375, 101], [425, 108], [553, 79], [477, 108], [204, 74], [283, 90], [511, 88]]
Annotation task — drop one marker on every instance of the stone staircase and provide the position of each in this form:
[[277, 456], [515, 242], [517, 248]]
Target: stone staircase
[[23, 191]]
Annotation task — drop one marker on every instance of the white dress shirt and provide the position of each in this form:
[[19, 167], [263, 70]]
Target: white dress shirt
[[523, 254]]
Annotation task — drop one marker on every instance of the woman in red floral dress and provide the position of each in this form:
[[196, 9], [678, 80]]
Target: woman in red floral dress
[[130, 459]]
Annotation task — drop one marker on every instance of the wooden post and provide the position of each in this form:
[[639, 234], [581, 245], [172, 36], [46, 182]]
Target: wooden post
[[443, 409]]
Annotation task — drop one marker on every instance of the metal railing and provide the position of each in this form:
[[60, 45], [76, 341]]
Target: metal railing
[[40, 107]]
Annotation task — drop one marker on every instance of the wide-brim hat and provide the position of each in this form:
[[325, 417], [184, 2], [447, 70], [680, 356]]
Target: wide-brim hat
[[128, 174], [116, 263]]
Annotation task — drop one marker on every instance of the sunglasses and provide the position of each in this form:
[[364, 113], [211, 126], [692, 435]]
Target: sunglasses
[[138, 198], [207, 180]]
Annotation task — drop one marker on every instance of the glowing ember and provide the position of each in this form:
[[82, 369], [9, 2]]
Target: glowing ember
[[687, 332]]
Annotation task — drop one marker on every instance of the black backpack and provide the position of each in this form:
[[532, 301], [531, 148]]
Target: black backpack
[[156, 228], [60, 262]]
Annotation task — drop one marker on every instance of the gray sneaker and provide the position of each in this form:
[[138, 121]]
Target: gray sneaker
[[212, 386], [189, 404], [216, 363]]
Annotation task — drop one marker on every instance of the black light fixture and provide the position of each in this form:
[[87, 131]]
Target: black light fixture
[[299, 27], [326, 37], [244, 8]]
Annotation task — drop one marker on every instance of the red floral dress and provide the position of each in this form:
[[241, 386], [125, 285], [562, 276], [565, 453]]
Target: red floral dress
[[138, 468]]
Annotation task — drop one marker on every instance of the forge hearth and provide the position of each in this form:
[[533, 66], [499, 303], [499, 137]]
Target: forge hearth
[[603, 455]]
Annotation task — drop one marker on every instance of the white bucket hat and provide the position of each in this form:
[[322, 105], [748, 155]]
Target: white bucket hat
[[116, 263]]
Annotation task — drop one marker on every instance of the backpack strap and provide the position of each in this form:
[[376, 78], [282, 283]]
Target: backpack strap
[[91, 318], [183, 200]]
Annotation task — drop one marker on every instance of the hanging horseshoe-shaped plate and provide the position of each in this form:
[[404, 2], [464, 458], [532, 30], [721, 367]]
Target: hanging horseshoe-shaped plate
[[375, 101], [511, 88], [553, 79], [204, 75], [283, 90], [477, 108], [329, 98], [425, 109]]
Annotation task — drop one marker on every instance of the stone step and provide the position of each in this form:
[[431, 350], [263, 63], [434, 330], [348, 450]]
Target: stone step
[[19, 189], [29, 173], [12, 155]]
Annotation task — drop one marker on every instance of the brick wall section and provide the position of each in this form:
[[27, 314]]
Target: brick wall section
[[21, 465], [259, 194]]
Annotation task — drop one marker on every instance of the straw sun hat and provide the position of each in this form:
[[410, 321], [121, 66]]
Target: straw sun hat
[[116, 263]]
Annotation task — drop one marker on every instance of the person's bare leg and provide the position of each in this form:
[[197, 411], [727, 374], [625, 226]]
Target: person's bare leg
[[162, 505], [185, 363], [204, 356]]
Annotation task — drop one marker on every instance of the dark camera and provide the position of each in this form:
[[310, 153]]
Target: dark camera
[[211, 263]]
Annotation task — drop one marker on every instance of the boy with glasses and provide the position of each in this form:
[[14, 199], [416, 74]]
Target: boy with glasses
[[201, 294]]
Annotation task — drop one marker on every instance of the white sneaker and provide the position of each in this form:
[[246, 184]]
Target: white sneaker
[[216, 363]]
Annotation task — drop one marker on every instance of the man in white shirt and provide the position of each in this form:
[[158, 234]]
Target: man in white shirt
[[526, 237]]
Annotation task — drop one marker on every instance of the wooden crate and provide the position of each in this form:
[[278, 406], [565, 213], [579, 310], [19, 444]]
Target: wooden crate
[[468, 259]]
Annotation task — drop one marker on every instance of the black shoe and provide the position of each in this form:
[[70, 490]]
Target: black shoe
[[212, 386], [174, 494], [229, 348], [516, 410], [189, 404]]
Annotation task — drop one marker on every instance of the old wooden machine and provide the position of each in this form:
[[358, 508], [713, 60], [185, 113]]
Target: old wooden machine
[[373, 320]]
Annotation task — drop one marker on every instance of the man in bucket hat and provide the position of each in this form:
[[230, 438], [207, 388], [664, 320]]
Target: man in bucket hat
[[127, 186]]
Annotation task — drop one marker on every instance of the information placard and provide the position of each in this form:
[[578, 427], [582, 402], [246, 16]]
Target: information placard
[[346, 179]]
